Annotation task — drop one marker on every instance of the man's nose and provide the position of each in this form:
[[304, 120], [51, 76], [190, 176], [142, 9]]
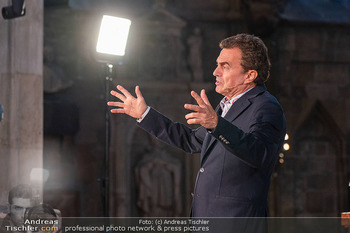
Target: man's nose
[[24, 210], [23, 213], [215, 72]]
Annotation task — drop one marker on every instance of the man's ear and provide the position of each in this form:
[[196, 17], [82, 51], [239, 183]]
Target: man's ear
[[251, 76]]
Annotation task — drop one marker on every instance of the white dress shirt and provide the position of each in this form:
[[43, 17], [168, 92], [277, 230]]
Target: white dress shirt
[[226, 104]]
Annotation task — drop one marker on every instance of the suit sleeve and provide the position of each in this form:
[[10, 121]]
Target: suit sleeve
[[173, 133], [260, 145]]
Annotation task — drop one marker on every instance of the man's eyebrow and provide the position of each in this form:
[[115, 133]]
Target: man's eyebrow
[[223, 63]]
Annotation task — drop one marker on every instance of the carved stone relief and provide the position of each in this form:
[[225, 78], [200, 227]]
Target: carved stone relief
[[158, 177]]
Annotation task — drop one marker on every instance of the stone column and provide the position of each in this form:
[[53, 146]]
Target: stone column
[[21, 95]]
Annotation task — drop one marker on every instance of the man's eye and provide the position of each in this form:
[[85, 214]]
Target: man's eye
[[18, 208]]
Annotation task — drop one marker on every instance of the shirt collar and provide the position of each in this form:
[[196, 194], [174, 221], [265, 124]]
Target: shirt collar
[[226, 101]]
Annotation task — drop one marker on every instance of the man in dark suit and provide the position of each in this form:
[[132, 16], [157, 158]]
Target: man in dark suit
[[239, 142]]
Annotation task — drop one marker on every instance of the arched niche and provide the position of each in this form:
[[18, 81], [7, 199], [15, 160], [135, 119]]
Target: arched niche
[[312, 181]]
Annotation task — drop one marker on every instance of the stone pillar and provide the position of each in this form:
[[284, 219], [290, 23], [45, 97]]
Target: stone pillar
[[21, 95]]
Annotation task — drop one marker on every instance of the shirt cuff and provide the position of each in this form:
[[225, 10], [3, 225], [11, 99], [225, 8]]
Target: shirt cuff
[[143, 115]]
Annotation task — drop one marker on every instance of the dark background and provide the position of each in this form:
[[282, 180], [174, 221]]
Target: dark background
[[309, 48]]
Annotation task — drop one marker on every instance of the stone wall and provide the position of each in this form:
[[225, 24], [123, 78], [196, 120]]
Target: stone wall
[[312, 64], [21, 95]]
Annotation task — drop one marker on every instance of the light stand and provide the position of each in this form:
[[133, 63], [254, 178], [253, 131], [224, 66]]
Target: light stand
[[105, 181], [110, 47]]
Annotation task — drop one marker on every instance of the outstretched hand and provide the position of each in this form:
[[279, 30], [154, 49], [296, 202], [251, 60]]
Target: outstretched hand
[[130, 105], [203, 114]]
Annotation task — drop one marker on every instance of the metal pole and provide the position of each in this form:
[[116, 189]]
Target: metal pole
[[107, 142]]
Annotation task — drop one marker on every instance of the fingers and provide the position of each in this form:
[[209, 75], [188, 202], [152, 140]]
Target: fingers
[[138, 92], [191, 115], [126, 94], [192, 118], [124, 91], [118, 110], [192, 107], [197, 98], [202, 102], [192, 122], [116, 104], [118, 95], [205, 97], [203, 113]]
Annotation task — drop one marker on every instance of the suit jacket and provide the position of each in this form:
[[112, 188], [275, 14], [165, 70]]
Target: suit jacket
[[237, 157]]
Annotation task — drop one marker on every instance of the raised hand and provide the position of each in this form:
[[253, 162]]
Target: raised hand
[[203, 113], [130, 105]]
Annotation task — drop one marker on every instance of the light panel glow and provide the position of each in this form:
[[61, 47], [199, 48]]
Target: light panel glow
[[39, 175], [113, 35]]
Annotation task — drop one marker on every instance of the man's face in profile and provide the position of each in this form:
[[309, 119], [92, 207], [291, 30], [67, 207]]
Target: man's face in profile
[[18, 208]]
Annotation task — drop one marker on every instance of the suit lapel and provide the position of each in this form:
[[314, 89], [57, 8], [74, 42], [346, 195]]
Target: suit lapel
[[243, 103], [209, 140], [236, 109]]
